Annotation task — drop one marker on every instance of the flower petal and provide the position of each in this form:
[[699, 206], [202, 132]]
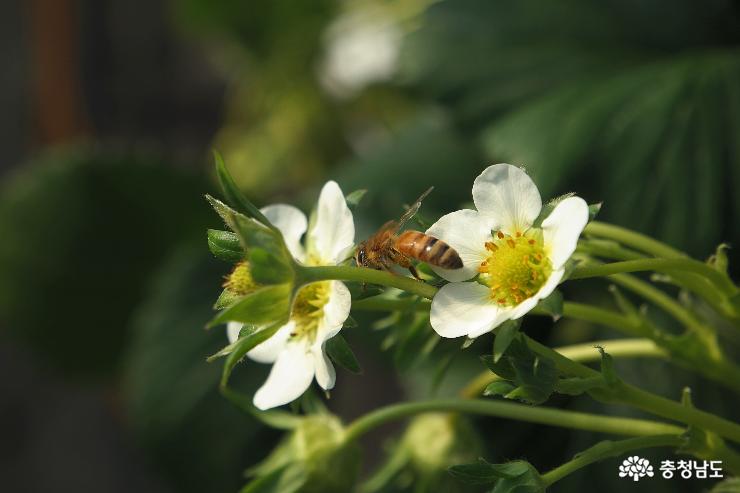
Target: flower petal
[[562, 228], [333, 234], [467, 232], [336, 311], [291, 222], [232, 331], [525, 306], [289, 378], [508, 196], [326, 376], [269, 350], [463, 308]]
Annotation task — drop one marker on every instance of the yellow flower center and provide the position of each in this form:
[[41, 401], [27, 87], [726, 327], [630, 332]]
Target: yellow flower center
[[240, 280], [308, 309], [516, 268]]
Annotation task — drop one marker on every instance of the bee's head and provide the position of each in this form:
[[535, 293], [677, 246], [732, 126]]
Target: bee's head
[[361, 255]]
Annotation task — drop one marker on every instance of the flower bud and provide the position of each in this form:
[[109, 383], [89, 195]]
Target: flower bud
[[317, 454]]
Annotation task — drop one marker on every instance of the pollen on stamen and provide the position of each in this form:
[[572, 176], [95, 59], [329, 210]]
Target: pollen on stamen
[[518, 234], [511, 243], [500, 235]]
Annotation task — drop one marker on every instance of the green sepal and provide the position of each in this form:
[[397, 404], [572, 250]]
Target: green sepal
[[353, 199], [607, 368], [548, 208], [593, 210], [224, 245], [505, 334], [226, 299], [234, 196], [245, 344], [269, 259], [719, 259], [515, 476], [267, 268], [340, 352], [261, 307], [553, 305]]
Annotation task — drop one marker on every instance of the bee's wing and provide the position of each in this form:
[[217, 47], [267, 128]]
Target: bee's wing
[[411, 211]]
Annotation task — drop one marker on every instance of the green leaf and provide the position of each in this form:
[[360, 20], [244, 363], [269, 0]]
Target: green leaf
[[533, 377], [234, 196], [224, 245], [258, 308], [528, 481], [514, 476], [553, 305], [729, 485], [340, 352], [505, 334], [353, 199], [245, 344], [499, 387]]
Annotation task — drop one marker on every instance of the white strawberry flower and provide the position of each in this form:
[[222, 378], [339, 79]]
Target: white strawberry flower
[[509, 264], [297, 350]]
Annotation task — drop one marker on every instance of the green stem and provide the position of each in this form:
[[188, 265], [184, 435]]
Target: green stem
[[606, 449], [632, 239], [362, 274], [665, 265], [618, 348], [509, 410], [661, 300], [627, 394]]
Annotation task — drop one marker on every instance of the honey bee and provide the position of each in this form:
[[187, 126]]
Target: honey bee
[[386, 247]]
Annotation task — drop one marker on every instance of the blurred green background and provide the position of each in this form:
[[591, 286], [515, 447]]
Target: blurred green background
[[111, 108]]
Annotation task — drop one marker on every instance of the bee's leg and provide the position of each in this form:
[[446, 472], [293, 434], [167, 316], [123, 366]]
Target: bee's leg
[[414, 272]]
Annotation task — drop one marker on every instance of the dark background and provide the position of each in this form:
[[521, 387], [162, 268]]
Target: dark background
[[110, 109]]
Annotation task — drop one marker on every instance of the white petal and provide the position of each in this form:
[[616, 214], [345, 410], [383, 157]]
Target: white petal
[[291, 222], [336, 311], [508, 196], [463, 308], [289, 378], [546, 290], [467, 232], [325, 374], [333, 233], [269, 350], [232, 331], [563, 227]]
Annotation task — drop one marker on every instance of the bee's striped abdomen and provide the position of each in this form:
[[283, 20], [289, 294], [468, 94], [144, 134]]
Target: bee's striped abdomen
[[428, 249]]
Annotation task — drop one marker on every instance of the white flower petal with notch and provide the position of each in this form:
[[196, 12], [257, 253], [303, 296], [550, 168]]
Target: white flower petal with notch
[[507, 195]]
